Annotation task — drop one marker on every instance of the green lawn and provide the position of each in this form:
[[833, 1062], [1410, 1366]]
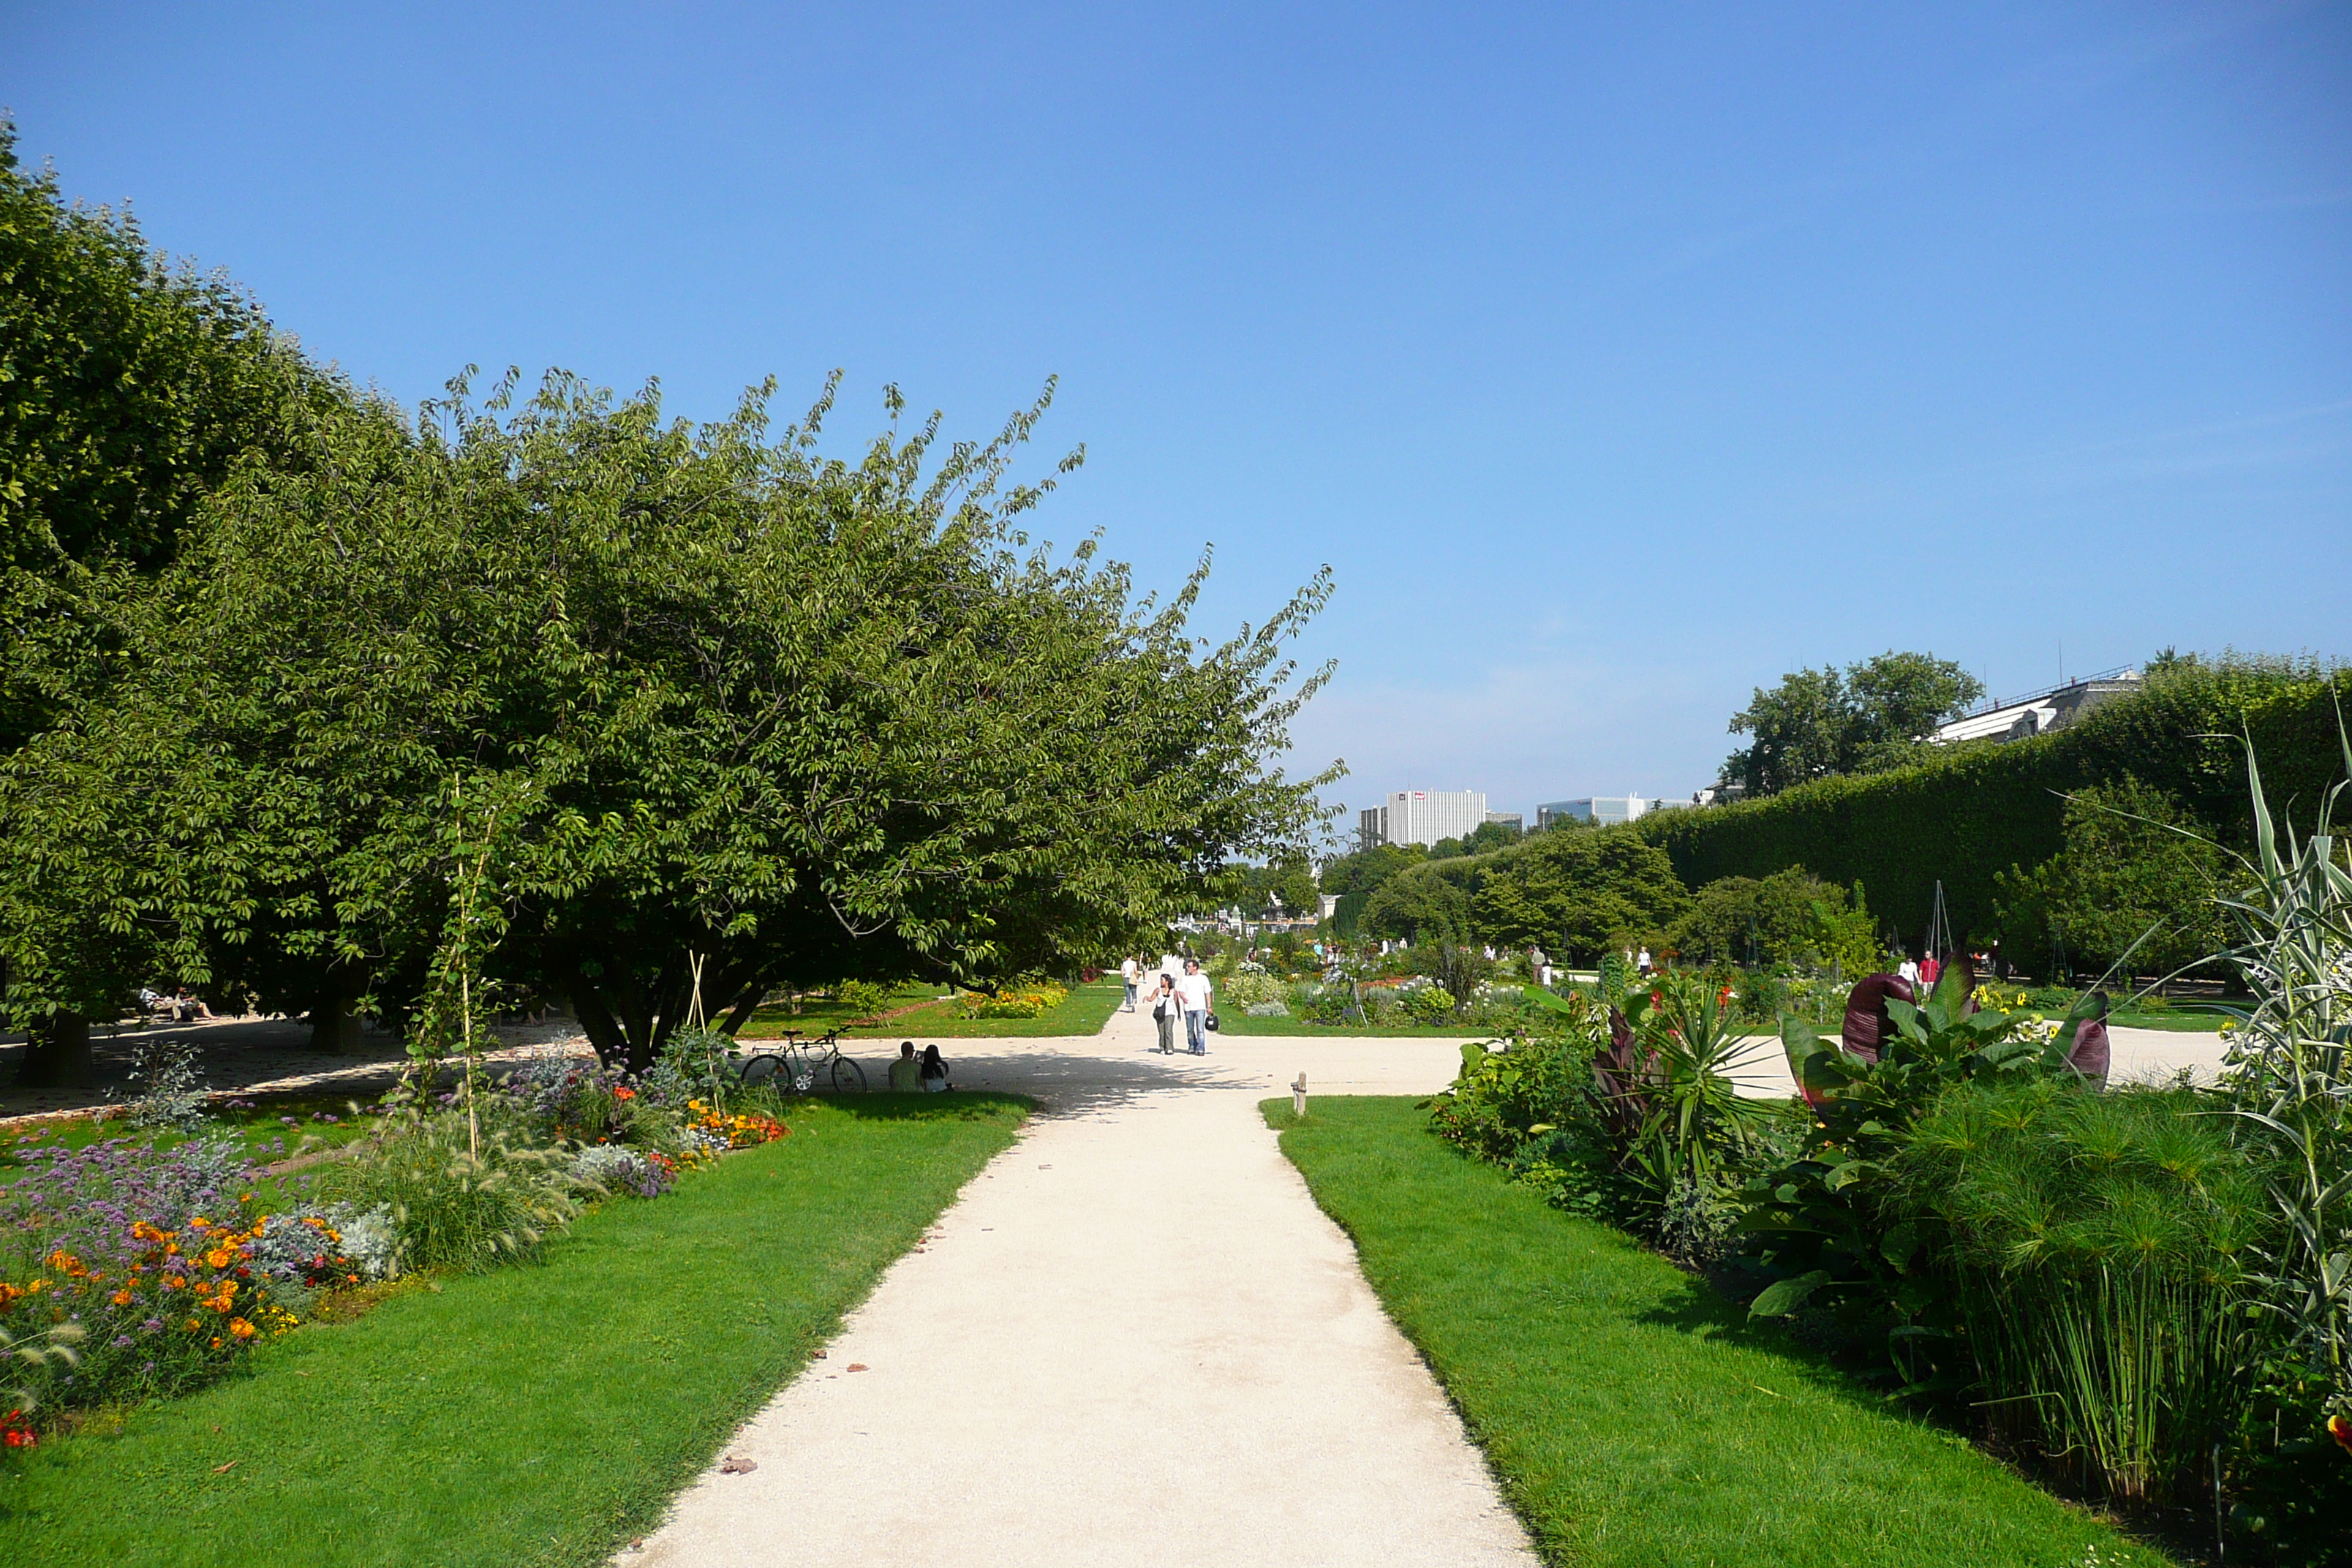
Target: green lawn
[[541, 1414], [1231, 1021], [1084, 1012], [2180, 1022], [1633, 1415], [273, 1127]]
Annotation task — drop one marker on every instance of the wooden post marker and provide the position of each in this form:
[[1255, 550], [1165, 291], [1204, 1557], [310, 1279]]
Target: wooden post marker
[[1298, 1097]]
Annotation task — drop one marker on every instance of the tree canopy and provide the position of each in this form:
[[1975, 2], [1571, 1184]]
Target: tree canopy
[[1821, 722], [2133, 885], [1791, 915], [133, 388], [705, 708], [1574, 894]]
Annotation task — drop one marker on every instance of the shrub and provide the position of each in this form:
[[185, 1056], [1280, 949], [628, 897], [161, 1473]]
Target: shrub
[[456, 1200], [862, 998], [1021, 999], [2098, 1245], [1247, 987], [170, 1085], [615, 1168], [1970, 813], [1823, 1222], [1428, 1005]]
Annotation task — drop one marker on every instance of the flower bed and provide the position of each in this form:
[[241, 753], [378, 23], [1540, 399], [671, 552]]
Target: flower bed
[[160, 1270]]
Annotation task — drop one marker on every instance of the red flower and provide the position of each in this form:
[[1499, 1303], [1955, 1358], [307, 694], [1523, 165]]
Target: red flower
[[2340, 1428]]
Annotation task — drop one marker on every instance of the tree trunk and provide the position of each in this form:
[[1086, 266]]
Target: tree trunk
[[57, 1054], [333, 1030], [604, 1031]]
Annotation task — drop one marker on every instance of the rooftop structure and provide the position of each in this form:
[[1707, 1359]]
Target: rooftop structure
[[1603, 809], [2039, 712]]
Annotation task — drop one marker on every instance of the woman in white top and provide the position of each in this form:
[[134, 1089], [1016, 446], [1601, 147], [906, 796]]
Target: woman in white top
[[1167, 1007]]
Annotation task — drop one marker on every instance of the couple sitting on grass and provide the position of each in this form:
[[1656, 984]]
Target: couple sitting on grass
[[925, 1074]]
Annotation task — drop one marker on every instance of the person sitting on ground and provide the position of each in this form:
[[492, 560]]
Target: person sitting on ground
[[907, 1073], [935, 1071]]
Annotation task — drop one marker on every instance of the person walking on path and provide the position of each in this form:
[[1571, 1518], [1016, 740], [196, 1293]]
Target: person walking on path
[[1165, 1008], [1130, 970], [1196, 989]]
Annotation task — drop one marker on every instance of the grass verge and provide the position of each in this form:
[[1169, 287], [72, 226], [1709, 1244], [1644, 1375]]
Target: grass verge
[[1231, 1021], [1634, 1416], [1083, 1012], [542, 1414], [267, 1127]]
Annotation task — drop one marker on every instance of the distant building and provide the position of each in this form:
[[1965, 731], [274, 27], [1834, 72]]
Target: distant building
[[1722, 792], [1601, 809], [1420, 816], [2017, 718], [1511, 819]]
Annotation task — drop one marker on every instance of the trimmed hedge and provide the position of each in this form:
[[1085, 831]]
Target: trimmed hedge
[[1966, 816]]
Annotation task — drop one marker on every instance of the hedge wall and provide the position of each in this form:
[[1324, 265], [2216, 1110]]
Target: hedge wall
[[1969, 816]]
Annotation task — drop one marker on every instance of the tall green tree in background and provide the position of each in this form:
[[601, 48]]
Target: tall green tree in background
[[2134, 884], [1578, 894], [1821, 722], [129, 388], [747, 714]]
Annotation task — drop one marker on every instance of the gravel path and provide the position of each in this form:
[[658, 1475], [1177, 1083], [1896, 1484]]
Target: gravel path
[[1134, 1340]]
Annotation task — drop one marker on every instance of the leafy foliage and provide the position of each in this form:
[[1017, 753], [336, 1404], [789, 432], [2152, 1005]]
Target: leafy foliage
[[2099, 1245], [2132, 882], [1790, 916], [1970, 813], [1825, 1222], [1818, 724], [732, 712]]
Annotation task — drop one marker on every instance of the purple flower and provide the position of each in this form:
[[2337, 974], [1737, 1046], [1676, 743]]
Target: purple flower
[[120, 1341], [153, 1325]]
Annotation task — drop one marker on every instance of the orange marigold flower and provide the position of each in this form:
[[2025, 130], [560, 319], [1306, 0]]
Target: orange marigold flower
[[216, 1258], [120, 1298], [2339, 1427], [240, 1328]]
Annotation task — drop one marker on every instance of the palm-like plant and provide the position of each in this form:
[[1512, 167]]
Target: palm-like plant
[[1676, 1082]]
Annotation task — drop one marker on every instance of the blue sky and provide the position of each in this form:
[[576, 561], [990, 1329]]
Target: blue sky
[[1617, 358]]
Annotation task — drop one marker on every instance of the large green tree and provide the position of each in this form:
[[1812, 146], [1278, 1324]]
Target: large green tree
[[1821, 722], [2133, 886], [1578, 894], [715, 712], [129, 388], [1759, 920]]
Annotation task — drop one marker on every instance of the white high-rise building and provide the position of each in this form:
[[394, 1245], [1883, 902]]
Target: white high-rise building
[[1421, 817], [1603, 809]]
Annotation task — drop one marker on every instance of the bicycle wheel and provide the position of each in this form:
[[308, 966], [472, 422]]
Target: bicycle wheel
[[760, 1069], [848, 1077]]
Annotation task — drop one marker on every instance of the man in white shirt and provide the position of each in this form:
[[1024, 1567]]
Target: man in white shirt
[[1130, 972], [1909, 971], [1195, 990]]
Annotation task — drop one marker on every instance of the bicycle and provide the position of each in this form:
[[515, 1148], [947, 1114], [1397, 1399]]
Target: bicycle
[[804, 1064]]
